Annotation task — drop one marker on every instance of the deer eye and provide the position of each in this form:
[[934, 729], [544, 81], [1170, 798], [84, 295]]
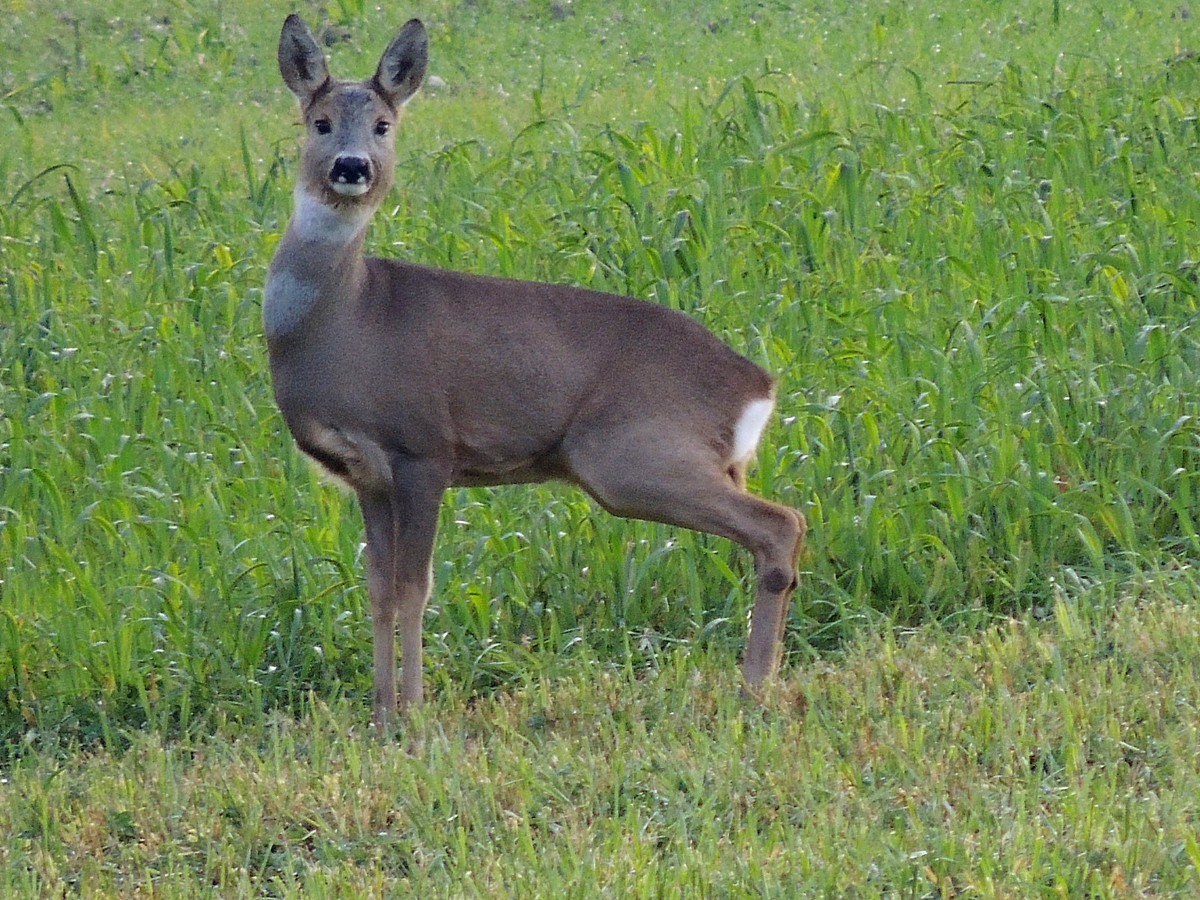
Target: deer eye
[[323, 126], [382, 127]]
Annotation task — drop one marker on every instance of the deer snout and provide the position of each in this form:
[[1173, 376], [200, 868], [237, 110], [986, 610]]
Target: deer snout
[[351, 175]]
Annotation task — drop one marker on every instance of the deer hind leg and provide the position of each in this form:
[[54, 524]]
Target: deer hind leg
[[704, 494], [764, 647]]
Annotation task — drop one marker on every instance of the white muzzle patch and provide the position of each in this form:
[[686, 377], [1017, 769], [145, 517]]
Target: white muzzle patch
[[350, 188]]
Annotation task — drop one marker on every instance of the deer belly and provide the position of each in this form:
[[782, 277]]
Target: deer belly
[[517, 463]]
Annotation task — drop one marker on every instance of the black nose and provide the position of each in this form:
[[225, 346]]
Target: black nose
[[351, 170]]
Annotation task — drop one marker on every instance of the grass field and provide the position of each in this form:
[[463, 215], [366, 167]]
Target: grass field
[[965, 239]]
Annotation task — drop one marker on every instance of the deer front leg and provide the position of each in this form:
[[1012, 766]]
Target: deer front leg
[[381, 549], [401, 528]]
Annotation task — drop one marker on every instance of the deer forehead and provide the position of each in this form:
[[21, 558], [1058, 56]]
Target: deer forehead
[[350, 104]]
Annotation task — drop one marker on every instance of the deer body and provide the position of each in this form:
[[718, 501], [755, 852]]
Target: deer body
[[403, 380]]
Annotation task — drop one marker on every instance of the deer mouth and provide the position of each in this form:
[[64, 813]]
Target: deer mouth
[[350, 189], [350, 176]]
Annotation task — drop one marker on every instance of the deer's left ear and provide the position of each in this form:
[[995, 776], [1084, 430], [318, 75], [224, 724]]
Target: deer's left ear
[[402, 66]]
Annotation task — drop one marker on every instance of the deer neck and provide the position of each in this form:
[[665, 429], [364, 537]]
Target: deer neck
[[318, 266]]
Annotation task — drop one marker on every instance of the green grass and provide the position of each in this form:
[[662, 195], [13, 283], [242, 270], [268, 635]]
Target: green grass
[[1031, 759], [965, 241]]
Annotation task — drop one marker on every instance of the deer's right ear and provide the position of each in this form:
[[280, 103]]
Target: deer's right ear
[[301, 61]]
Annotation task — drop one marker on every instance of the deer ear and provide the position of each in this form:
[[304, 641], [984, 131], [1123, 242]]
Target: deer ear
[[301, 61], [402, 66]]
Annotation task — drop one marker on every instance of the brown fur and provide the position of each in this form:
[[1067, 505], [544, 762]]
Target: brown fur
[[404, 380]]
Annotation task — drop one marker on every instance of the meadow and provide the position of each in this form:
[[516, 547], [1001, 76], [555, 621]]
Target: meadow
[[964, 239]]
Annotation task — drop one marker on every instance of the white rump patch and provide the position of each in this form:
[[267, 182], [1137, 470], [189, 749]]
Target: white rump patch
[[286, 301], [749, 428], [313, 220]]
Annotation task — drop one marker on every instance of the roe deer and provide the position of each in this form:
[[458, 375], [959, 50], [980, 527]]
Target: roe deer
[[403, 380]]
